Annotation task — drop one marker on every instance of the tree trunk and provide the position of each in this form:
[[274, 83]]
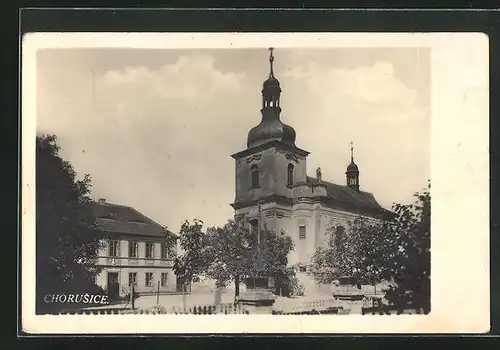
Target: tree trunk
[[236, 287]]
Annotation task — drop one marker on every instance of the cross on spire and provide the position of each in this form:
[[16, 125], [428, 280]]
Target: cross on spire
[[352, 149], [271, 60]]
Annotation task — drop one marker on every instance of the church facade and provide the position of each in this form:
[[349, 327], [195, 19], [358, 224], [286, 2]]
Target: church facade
[[273, 190]]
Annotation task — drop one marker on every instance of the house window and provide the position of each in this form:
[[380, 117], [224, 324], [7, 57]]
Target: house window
[[149, 279], [255, 176], [132, 278], [290, 174], [113, 248], [339, 235], [149, 250], [132, 249], [164, 277], [302, 232], [166, 251]]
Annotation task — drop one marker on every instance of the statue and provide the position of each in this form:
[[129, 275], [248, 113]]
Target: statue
[[318, 174]]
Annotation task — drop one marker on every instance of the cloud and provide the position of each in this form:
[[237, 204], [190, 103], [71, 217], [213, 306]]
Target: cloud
[[372, 84], [371, 106], [191, 77], [149, 137], [160, 139]]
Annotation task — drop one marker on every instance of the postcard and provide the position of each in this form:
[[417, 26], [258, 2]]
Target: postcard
[[255, 183]]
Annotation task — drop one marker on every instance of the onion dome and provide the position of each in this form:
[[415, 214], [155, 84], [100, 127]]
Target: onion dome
[[271, 128]]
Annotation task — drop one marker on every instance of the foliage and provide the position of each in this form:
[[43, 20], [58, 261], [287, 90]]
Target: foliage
[[191, 265], [274, 253], [232, 253], [410, 256], [229, 253], [170, 243], [396, 251], [359, 251], [292, 286], [67, 236]]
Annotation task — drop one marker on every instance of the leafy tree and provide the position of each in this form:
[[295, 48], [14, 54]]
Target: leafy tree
[[229, 254], [192, 264], [410, 255], [274, 253], [358, 251], [170, 243], [67, 237], [234, 254]]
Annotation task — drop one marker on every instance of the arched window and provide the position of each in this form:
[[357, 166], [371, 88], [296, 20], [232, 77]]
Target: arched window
[[290, 175], [339, 235], [255, 176]]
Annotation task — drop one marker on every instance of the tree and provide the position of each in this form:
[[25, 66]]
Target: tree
[[274, 253], [67, 236], [229, 253], [234, 253], [359, 251], [170, 243], [192, 264], [410, 255]]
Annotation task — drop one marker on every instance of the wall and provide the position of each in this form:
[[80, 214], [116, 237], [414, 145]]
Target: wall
[[123, 265], [273, 174], [123, 275]]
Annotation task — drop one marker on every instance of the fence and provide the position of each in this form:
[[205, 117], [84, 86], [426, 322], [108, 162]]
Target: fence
[[315, 307], [224, 309], [374, 306]]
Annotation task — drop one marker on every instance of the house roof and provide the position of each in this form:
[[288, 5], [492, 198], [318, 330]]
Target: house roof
[[115, 218], [349, 198]]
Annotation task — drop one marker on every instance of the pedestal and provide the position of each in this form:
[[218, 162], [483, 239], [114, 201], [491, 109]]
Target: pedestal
[[257, 301]]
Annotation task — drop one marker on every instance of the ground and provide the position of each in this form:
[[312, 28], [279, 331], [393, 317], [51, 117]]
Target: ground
[[203, 294]]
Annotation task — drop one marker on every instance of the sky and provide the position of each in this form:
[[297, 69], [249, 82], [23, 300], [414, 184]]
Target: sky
[[155, 129]]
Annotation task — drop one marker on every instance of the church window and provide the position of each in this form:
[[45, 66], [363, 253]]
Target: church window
[[290, 174], [339, 234], [302, 232], [255, 176], [254, 227]]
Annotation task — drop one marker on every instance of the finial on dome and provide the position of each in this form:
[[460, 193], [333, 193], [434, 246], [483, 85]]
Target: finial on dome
[[352, 151], [271, 60]]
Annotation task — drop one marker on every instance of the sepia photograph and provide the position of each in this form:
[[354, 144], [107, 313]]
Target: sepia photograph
[[270, 179]]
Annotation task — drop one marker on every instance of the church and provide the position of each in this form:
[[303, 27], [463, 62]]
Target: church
[[273, 190]]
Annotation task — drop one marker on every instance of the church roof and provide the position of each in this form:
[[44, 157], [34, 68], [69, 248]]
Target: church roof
[[348, 198], [114, 218]]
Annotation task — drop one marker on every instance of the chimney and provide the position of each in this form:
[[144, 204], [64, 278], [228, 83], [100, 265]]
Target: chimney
[[102, 200]]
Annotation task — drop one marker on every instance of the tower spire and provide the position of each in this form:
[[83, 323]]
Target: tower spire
[[352, 151], [271, 60], [271, 127], [352, 173]]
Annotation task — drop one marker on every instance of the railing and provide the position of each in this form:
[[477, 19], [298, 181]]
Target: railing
[[326, 306], [222, 309], [124, 261], [376, 306]]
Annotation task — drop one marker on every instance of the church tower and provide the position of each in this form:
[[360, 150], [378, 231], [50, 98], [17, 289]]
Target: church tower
[[352, 173], [271, 165]]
